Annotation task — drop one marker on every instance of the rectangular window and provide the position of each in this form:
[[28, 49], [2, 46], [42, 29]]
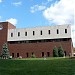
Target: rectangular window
[[64, 53], [17, 54], [41, 32], [18, 33], [32, 53], [65, 30], [48, 54], [12, 54], [27, 54], [48, 31], [33, 32], [42, 54], [11, 34], [25, 33], [57, 31]]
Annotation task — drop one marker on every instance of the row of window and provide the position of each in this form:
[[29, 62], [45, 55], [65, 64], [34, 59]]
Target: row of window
[[41, 33], [27, 54], [39, 41]]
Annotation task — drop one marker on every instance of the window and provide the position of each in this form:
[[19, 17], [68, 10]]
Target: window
[[27, 54], [33, 32], [32, 53], [42, 54], [65, 30], [41, 32], [57, 31], [65, 53], [48, 54], [11, 34], [17, 54], [25, 33], [12, 54], [48, 31], [18, 33]]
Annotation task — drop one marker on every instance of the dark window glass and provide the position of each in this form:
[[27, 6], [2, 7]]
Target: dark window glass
[[48, 31], [33, 32], [48, 54], [18, 33], [41, 32], [32, 53], [11, 34], [25, 33], [65, 30], [64, 53], [42, 54], [57, 31], [27, 54], [17, 54], [12, 54]]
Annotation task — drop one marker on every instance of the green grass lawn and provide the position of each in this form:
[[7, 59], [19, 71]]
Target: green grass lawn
[[38, 66]]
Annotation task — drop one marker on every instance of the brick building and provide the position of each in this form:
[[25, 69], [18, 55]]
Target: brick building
[[39, 40]]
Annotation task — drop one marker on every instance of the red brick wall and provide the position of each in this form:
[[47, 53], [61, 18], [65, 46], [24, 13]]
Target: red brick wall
[[3, 33], [38, 48]]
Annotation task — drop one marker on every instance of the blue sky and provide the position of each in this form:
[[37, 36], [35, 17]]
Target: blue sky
[[28, 13], [32, 13]]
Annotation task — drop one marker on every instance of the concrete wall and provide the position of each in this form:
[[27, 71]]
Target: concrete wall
[[53, 33]]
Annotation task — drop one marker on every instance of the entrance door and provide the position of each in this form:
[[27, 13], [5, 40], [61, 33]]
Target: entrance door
[[13, 55], [27, 54], [48, 54], [65, 53], [42, 54], [17, 54]]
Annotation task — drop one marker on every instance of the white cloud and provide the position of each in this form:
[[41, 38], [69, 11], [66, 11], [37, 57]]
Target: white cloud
[[40, 7], [17, 3], [37, 8], [60, 12], [0, 1], [12, 21]]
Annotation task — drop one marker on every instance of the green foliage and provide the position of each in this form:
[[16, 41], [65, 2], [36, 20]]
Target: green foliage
[[60, 51], [55, 52], [5, 51]]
